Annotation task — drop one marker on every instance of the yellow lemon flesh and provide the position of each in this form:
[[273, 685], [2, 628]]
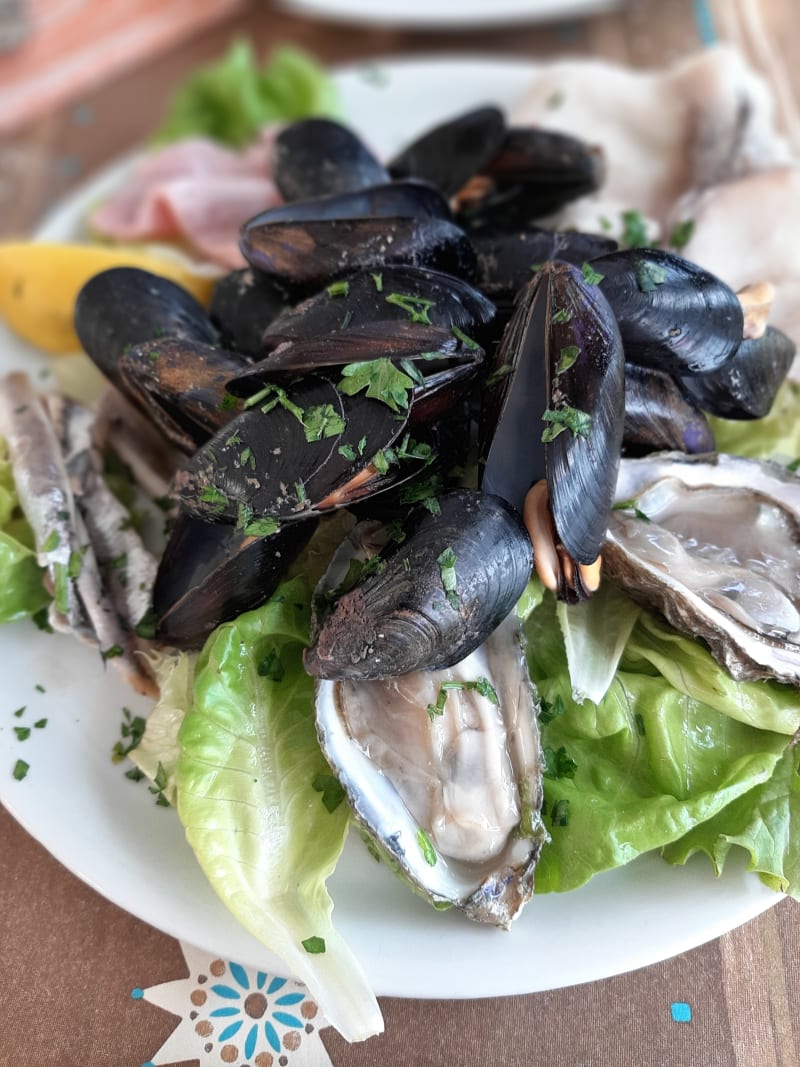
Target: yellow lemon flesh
[[39, 282]]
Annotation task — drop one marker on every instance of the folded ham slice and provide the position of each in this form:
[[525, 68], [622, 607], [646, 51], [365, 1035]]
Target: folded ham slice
[[195, 191]]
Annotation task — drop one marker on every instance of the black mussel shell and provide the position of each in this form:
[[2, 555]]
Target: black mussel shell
[[294, 453], [431, 599], [408, 199], [395, 341], [746, 386], [451, 153], [534, 173], [397, 294], [506, 261], [306, 255], [672, 314], [659, 417], [555, 406], [212, 572], [243, 305], [127, 306], [181, 386], [318, 157]]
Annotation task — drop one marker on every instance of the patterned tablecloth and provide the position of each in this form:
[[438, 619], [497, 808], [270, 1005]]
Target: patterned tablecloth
[[83, 984]]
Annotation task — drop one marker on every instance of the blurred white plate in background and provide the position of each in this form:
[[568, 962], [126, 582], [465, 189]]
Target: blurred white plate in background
[[448, 14]]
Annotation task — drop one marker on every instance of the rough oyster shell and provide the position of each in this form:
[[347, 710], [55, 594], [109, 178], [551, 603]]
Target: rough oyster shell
[[453, 799], [713, 542]]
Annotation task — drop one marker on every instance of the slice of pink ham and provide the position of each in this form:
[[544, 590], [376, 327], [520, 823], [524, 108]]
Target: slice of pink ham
[[196, 191]]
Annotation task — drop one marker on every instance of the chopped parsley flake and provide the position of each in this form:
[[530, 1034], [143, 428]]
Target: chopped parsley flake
[[567, 357], [447, 571], [331, 788], [270, 665], [52, 542], [132, 731], [426, 848], [22, 732], [214, 497], [497, 375], [228, 402], [263, 527], [21, 768], [159, 785], [20, 712], [146, 626], [579, 423], [314, 946], [562, 315], [341, 288], [322, 420], [632, 505], [416, 306], [558, 764], [40, 724], [382, 380], [473, 346], [482, 685], [649, 275], [551, 711], [347, 452], [560, 813], [590, 275], [111, 653], [681, 234], [378, 279], [634, 230]]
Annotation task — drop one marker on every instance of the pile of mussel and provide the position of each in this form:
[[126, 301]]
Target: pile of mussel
[[395, 320]]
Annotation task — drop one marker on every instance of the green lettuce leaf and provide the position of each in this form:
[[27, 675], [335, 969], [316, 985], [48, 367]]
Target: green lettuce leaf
[[765, 822], [231, 100], [777, 436], [260, 830], [595, 633], [22, 592], [159, 750], [642, 767]]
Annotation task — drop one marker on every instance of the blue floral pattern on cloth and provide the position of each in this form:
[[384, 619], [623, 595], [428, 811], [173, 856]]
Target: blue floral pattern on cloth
[[234, 1014]]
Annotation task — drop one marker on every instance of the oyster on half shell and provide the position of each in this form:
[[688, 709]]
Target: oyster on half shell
[[713, 542], [452, 799]]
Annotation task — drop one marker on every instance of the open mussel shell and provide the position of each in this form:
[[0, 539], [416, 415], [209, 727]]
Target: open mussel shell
[[746, 386], [431, 599], [555, 406], [294, 453], [212, 572], [306, 255], [395, 341], [506, 261], [452, 152], [672, 314], [127, 306], [534, 173], [659, 417], [243, 305], [408, 199], [181, 385], [388, 294], [319, 157]]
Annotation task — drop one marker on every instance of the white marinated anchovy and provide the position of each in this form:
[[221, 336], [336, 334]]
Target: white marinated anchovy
[[137, 443], [714, 544], [128, 567], [45, 496], [80, 604]]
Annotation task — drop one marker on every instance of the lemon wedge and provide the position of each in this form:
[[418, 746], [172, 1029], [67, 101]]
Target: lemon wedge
[[40, 280]]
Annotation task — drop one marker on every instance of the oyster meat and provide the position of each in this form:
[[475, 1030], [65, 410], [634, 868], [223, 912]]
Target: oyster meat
[[447, 782], [713, 542]]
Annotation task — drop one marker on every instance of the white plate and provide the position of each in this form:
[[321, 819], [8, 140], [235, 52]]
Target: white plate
[[448, 14], [107, 830]]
